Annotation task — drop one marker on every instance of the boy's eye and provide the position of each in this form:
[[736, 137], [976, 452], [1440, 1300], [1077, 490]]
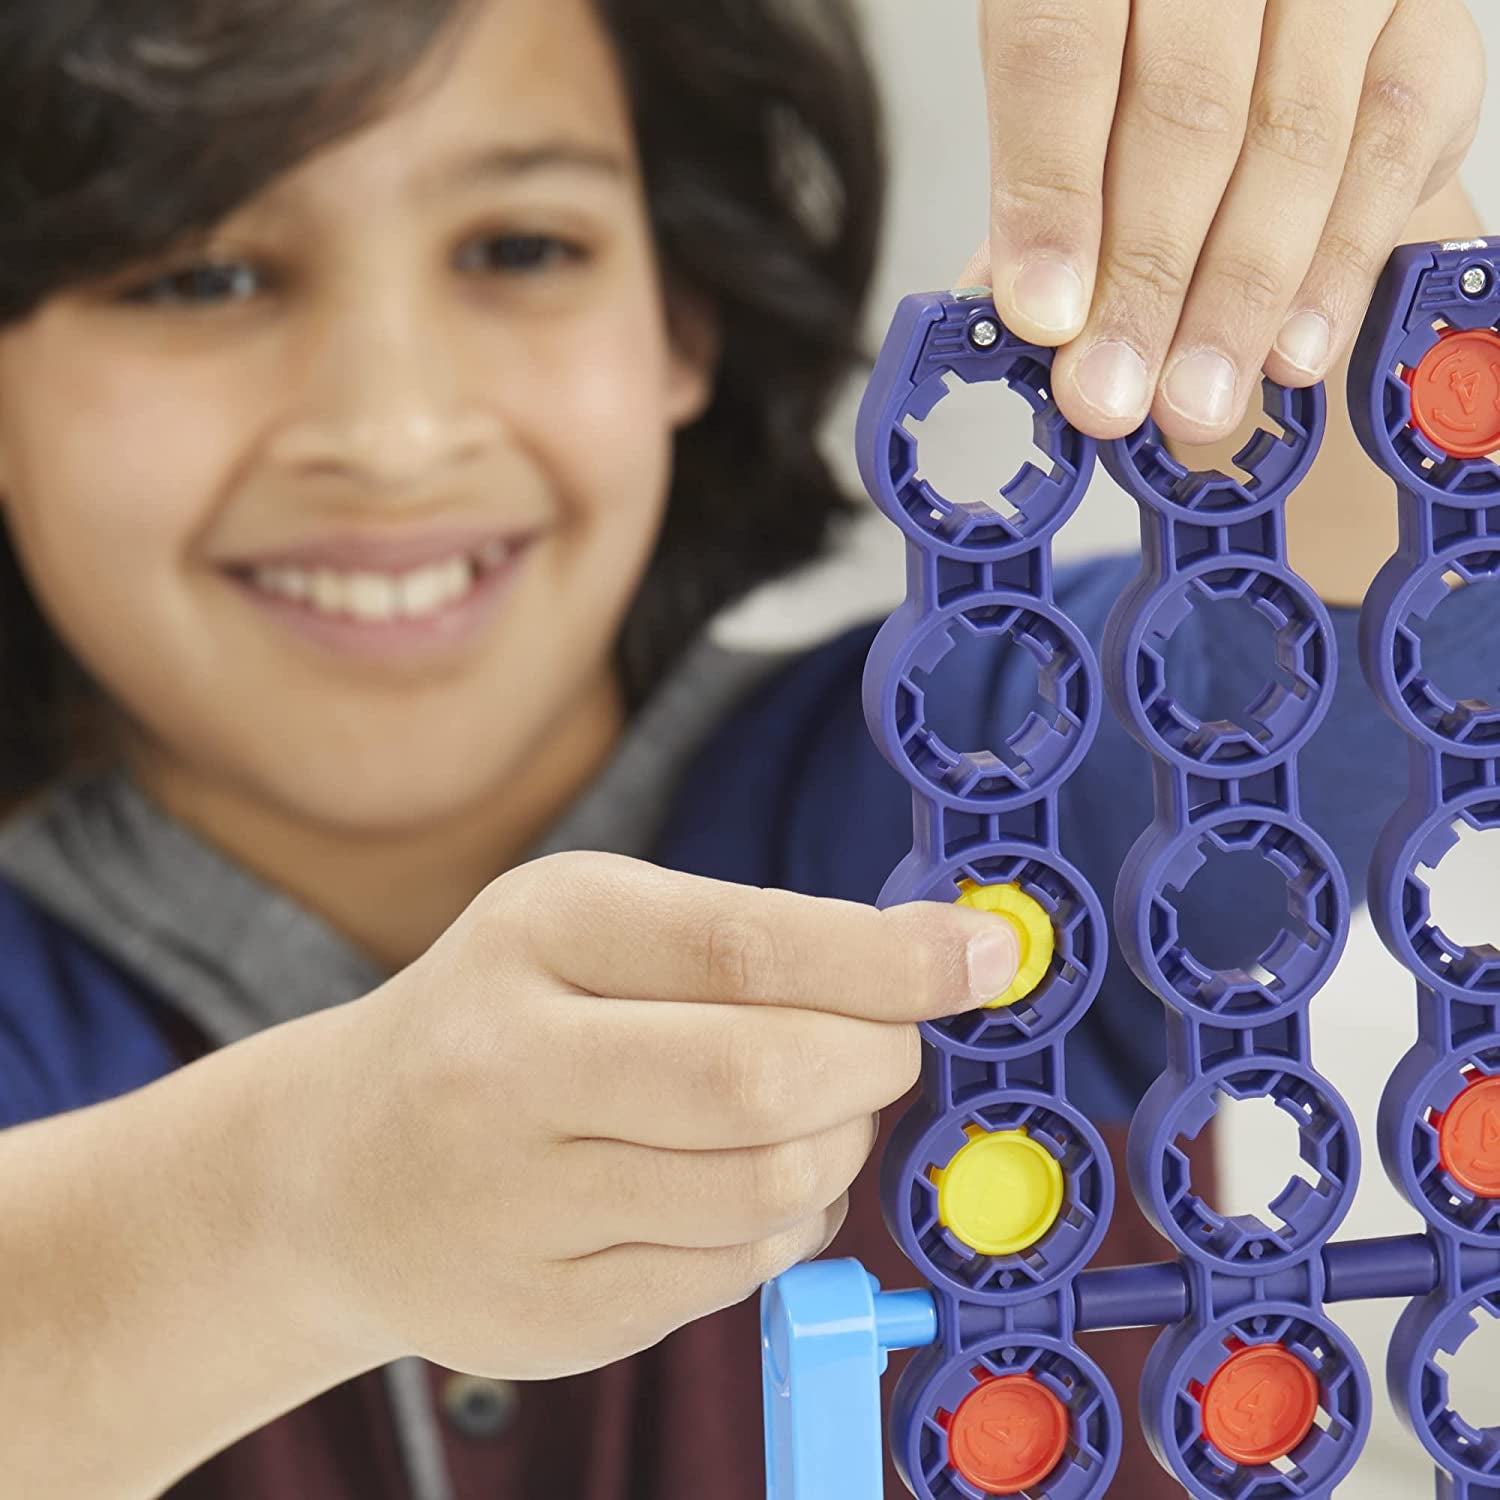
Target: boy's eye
[[199, 286], [517, 253]]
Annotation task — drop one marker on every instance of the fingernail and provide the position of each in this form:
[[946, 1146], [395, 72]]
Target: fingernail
[[1049, 293], [1304, 341], [994, 957], [1111, 377], [1201, 387]]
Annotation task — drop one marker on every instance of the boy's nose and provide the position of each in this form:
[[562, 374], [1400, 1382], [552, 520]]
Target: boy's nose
[[403, 447], [387, 400]]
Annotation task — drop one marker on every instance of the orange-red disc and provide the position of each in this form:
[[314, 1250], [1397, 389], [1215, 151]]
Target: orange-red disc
[[1469, 1138], [1009, 1433], [1260, 1404], [1455, 392]]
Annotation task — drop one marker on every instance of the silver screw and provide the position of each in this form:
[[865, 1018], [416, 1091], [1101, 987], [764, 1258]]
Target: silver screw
[[1476, 281], [985, 334]]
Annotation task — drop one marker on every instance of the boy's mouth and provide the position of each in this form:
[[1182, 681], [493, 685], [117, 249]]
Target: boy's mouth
[[387, 599], [379, 597]]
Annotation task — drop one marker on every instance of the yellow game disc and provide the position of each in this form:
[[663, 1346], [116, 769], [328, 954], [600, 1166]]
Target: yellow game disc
[[1001, 1193], [1032, 926]]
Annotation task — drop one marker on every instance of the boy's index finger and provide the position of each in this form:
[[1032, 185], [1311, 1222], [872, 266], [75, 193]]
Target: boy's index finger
[[637, 931]]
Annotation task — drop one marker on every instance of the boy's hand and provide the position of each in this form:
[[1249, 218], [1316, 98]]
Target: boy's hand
[[611, 1099], [1186, 191]]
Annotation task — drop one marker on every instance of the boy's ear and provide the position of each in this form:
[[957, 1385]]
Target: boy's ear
[[696, 341]]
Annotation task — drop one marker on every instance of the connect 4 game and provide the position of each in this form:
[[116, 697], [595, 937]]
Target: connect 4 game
[[996, 1185]]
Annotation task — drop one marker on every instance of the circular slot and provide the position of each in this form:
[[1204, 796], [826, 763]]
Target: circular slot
[[936, 476], [1443, 1144], [961, 437], [1001, 1199], [1260, 983], [1066, 927], [1008, 1434], [1437, 1351], [954, 657], [1434, 410], [1015, 1415], [1259, 1405], [1274, 641], [1455, 393], [1440, 655], [1299, 1218], [1470, 967], [1273, 1403]]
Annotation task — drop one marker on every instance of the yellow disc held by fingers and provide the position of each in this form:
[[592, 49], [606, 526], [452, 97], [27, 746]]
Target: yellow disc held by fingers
[[1001, 1193], [1033, 928]]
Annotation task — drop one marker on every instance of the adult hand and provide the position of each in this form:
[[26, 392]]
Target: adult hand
[[1186, 193]]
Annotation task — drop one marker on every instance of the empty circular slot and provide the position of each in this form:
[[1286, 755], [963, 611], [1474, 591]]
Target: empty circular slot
[[1306, 926], [1241, 643], [967, 674], [1459, 647], [1462, 887], [1258, 1149], [1469, 965], [1474, 1372], [973, 434], [1310, 1187], [1003, 668], [1231, 666], [1233, 911]]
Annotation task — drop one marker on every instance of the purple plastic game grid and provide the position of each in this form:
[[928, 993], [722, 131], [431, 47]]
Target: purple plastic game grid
[[1251, 1390]]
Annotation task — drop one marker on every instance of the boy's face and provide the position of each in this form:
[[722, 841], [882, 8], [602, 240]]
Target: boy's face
[[345, 507]]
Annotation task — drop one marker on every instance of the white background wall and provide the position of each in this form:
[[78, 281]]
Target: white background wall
[[1364, 1021]]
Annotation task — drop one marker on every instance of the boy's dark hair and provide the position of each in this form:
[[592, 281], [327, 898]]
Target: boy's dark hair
[[129, 123]]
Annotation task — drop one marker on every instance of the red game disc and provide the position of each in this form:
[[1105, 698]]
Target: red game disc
[[1260, 1404], [1469, 1138], [1455, 393], [1008, 1434]]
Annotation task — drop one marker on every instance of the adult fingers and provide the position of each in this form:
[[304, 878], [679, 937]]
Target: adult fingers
[[1188, 77], [1052, 75], [1302, 115], [1418, 115]]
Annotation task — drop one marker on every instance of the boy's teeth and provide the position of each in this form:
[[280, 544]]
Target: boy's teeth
[[382, 597], [326, 592], [371, 597]]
